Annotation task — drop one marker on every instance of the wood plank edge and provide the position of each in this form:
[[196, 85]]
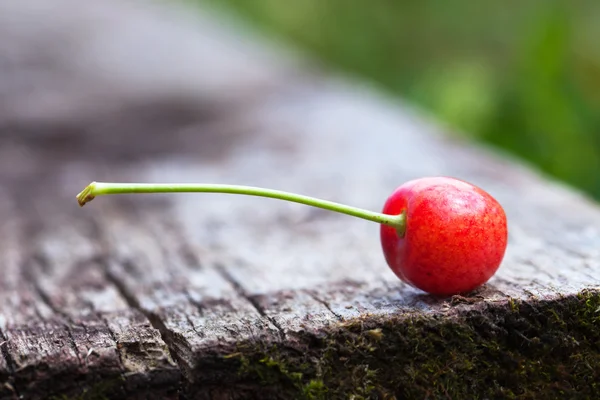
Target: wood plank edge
[[538, 348], [532, 348]]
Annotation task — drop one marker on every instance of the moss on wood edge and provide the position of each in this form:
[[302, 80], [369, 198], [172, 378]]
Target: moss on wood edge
[[531, 349]]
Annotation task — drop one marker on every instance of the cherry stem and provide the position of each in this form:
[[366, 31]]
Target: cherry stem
[[104, 188]]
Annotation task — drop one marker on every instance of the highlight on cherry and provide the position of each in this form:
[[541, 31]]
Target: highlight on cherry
[[441, 235]]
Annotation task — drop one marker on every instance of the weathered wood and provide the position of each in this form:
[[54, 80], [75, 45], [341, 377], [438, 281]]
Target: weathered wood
[[65, 340], [218, 296]]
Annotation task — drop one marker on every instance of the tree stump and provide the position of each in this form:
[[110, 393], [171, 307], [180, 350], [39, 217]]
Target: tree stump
[[207, 296]]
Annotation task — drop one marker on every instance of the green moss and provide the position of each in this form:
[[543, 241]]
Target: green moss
[[314, 389], [524, 350], [513, 304]]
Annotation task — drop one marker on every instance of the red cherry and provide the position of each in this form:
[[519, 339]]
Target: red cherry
[[455, 235]]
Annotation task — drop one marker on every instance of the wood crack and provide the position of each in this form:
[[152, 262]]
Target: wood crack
[[114, 338], [189, 321], [200, 310], [30, 276], [195, 303], [72, 343], [251, 299], [324, 303], [10, 363], [154, 319]]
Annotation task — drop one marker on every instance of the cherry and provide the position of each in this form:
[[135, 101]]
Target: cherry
[[455, 235], [441, 235]]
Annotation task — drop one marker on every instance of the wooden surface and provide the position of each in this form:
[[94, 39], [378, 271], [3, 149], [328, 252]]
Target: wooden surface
[[160, 296]]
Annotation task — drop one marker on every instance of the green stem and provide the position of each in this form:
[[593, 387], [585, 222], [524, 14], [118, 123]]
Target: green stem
[[103, 188]]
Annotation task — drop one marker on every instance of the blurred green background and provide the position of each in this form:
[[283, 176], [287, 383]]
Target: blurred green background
[[522, 75]]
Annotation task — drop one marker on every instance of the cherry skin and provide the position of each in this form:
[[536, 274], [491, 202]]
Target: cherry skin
[[455, 235]]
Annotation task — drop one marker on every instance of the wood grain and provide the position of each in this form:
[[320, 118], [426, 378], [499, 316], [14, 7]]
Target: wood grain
[[176, 295]]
